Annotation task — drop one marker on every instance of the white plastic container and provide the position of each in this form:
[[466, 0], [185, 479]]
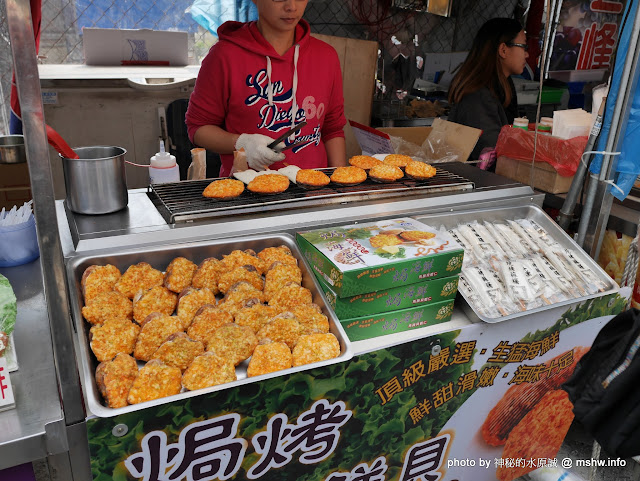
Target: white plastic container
[[521, 123], [163, 167]]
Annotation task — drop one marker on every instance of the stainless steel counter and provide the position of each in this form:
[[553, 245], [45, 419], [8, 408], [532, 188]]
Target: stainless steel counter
[[30, 430]]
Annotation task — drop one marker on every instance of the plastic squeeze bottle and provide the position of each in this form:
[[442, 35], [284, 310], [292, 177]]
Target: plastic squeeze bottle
[[163, 167]]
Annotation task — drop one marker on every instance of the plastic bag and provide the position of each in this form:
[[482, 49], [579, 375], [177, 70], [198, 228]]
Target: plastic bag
[[563, 155], [436, 148]]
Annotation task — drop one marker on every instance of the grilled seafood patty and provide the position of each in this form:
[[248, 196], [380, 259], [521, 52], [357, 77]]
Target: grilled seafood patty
[[154, 332], [224, 189], [179, 274], [179, 350], [208, 273], [155, 380], [270, 357], [269, 184], [97, 280], [190, 301], [206, 370], [282, 254], [419, 170], [364, 161], [290, 296], [315, 348], [282, 328], [138, 277], [311, 318], [384, 172], [348, 175], [239, 258], [255, 316], [246, 273], [311, 177], [114, 379], [157, 299], [108, 305], [207, 320], [113, 337], [232, 342], [397, 160]]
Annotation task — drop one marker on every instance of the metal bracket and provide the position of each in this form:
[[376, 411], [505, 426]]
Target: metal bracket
[[56, 437]]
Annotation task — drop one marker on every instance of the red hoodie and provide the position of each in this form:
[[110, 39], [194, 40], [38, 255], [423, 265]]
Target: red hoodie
[[233, 91]]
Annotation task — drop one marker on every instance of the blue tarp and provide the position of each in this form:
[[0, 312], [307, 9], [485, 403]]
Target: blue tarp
[[153, 14], [628, 162], [213, 13]]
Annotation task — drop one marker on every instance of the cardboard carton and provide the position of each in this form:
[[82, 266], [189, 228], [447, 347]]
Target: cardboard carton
[[461, 138], [545, 177], [396, 298], [15, 186], [111, 46], [360, 258], [375, 325]]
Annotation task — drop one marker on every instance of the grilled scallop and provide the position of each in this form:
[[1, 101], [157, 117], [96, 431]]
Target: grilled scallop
[[279, 276], [208, 369], [232, 342], [113, 337], [312, 179], [190, 301], [114, 379], [269, 184], [207, 320], [208, 274], [179, 350], [156, 329], [155, 380], [224, 189], [157, 299], [348, 175], [246, 273], [282, 328], [290, 296], [138, 277], [269, 357], [179, 274], [419, 170], [364, 161], [97, 280], [108, 305], [397, 160], [282, 254], [239, 258], [311, 318], [315, 348], [385, 173]]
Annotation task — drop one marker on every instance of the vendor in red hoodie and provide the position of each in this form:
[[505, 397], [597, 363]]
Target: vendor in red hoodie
[[262, 78]]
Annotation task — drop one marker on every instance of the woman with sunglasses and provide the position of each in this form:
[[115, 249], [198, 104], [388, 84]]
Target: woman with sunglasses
[[482, 93], [263, 78]]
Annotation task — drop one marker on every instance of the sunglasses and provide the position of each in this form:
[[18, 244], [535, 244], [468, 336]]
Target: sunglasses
[[521, 45]]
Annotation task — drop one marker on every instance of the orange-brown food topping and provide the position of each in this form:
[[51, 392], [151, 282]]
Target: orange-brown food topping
[[224, 189]]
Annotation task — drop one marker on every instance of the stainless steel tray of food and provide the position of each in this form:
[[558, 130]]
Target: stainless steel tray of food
[[531, 212], [159, 258]]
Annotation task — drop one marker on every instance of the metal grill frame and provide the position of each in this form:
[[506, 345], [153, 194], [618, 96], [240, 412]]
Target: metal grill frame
[[183, 201]]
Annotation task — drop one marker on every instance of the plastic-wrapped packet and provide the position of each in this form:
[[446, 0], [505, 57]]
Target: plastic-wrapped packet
[[518, 286], [469, 255], [591, 281], [558, 260], [482, 248], [525, 238], [512, 239], [490, 290], [538, 234], [488, 236], [508, 248], [559, 280], [474, 299], [540, 280]]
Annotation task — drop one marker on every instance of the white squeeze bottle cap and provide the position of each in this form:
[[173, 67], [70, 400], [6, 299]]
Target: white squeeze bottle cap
[[163, 159]]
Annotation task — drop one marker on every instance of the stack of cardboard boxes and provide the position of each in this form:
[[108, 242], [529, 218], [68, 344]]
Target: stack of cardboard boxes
[[385, 277]]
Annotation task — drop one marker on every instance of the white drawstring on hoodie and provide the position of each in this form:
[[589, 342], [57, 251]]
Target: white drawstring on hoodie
[[294, 106]]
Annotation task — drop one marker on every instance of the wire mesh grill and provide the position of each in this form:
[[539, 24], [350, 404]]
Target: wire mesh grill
[[183, 201], [379, 20]]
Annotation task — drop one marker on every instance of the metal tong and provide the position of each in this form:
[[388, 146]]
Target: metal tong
[[293, 130]]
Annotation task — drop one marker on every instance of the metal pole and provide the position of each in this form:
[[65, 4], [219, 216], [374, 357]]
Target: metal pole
[[37, 150], [592, 227]]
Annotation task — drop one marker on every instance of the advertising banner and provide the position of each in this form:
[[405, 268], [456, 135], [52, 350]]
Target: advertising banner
[[479, 403], [587, 34]]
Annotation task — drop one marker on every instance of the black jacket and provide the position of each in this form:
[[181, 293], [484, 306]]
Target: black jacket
[[483, 110], [605, 386]]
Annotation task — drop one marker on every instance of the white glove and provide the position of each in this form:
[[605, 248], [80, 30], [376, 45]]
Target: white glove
[[259, 156]]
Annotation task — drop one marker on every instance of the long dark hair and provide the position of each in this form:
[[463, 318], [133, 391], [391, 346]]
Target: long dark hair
[[481, 68]]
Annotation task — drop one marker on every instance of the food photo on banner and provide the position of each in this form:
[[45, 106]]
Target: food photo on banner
[[480, 403]]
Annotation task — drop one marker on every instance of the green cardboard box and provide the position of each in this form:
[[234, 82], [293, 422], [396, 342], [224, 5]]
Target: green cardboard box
[[360, 258], [366, 327], [396, 298]]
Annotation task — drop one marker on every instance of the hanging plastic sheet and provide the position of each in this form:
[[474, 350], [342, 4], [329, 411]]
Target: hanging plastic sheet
[[628, 162], [210, 14]]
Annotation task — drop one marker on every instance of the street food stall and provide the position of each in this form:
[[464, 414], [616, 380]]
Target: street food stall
[[463, 389]]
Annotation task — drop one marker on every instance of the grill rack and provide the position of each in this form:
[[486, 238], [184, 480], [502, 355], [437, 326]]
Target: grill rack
[[183, 201]]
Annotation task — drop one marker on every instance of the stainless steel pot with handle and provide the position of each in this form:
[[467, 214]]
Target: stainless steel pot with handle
[[96, 182]]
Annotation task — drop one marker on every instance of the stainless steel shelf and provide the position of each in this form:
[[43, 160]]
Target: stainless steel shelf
[[28, 431]]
